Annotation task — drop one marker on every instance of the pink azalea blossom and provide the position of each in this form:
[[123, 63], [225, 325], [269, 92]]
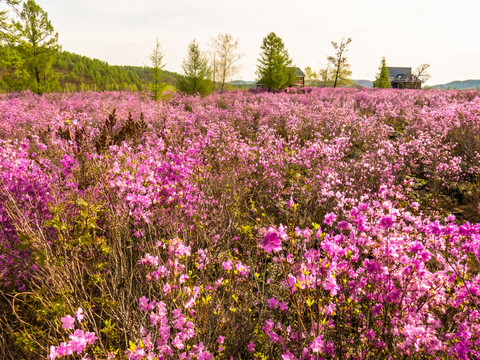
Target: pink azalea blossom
[[272, 303], [68, 322]]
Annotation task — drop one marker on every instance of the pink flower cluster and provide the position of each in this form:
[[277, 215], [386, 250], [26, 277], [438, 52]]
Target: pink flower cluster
[[328, 223], [79, 340]]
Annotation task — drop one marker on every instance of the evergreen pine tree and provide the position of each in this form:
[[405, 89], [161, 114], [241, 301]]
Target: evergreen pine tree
[[274, 70], [197, 72], [382, 80], [156, 59]]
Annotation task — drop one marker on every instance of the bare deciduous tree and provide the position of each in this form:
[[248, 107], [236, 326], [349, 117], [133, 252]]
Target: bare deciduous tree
[[326, 75], [225, 58], [340, 63], [421, 74]]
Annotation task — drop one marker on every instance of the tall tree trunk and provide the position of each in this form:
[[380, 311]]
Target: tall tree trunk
[[337, 72], [37, 75]]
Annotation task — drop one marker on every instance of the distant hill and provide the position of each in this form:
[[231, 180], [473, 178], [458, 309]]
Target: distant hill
[[248, 84], [363, 83], [242, 84], [81, 73], [460, 85], [74, 70]]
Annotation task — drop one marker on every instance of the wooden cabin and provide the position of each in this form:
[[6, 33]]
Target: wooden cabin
[[299, 77], [402, 78]]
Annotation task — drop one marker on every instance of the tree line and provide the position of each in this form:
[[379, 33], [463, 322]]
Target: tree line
[[31, 58]]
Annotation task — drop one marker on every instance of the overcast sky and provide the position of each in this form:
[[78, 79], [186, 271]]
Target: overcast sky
[[443, 33]]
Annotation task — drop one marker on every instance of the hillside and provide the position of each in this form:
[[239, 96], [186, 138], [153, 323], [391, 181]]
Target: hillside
[[363, 83], [80, 73], [459, 85]]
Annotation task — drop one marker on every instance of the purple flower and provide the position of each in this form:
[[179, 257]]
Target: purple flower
[[330, 284], [272, 303], [272, 242], [386, 222], [330, 219], [343, 225], [288, 356], [68, 322], [318, 344], [283, 306], [67, 163], [80, 315], [143, 304], [227, 265]]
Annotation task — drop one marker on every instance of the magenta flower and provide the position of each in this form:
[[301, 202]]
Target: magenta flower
[[143, 304], [272, 303], [386, 222], [343, 225], [288, 356], [227, 265], [68, 322], [53, 353], [241, 268], [283, 306], [318, 344], [272, 242], [251, 347], [79, 314], [65, 349], [330, 219], [330, 284]]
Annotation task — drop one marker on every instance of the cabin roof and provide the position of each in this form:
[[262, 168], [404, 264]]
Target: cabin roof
[[399, 73], [298, 72]]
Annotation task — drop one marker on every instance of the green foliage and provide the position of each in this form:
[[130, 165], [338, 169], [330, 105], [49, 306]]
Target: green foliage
[[197, 72], [6, 27], [81, 73], [382, 80], [274, 68], [35, 43], [156, 59]]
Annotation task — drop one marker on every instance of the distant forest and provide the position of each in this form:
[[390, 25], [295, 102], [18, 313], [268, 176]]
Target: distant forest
[[74, 72]]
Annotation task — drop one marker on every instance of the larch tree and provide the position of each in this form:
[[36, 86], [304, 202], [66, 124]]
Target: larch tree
[[5, 25], [8, 55], [197, 73], [383, 77], [274, 69], [37, 43], [156, 60], [225, 59], [341, 66]]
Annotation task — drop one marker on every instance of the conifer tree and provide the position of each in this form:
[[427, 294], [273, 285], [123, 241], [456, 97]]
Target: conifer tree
[[156, 59], [274, 69], [37, 45], [197, 72], [382, 80]]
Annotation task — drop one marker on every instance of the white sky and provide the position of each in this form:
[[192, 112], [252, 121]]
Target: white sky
[[443, 33]]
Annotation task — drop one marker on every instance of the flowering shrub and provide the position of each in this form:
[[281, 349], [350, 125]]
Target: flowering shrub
[[319, 224]]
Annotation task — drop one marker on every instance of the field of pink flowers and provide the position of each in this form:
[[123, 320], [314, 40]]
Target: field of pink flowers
[[323, 224]]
